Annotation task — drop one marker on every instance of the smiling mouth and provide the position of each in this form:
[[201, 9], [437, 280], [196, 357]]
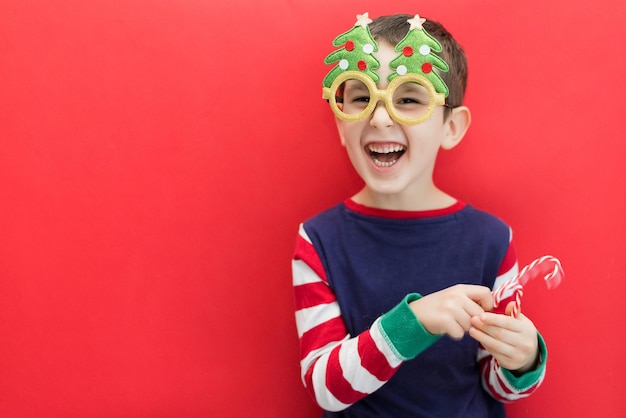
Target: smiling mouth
[[385, 155]]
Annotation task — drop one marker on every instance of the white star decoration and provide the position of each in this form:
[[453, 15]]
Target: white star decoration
[[416, 22], [363, 20]]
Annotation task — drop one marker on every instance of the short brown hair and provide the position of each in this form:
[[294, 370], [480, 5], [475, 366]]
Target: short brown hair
[[393, 28]]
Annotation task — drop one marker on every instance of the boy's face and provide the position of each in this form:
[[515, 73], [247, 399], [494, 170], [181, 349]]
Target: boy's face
[[394, 160]]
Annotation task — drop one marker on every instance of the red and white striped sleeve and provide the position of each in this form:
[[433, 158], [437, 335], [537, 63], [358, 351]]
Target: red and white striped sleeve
[[500, 383], [337, 369]]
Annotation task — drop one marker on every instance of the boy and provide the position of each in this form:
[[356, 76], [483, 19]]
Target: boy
[[393, 286]]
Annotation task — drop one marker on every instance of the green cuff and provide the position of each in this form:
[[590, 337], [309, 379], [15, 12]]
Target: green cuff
[[403, 332], [530, 378]]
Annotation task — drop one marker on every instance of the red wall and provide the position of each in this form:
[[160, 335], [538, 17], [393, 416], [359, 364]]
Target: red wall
[[157, 156]]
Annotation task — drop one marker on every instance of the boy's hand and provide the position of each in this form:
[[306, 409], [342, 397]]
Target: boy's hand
[[450, 310], [510, 340]]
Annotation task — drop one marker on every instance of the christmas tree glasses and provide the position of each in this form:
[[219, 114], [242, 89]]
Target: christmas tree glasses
[[410, 99]]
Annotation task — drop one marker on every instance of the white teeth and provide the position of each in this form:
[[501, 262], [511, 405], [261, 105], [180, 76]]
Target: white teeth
[[385, 154], [385, 163], [385, 148]]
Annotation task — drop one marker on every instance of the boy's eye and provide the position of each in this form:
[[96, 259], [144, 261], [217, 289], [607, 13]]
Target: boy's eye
[[411, 94], [355, 91], [363, 99], [409, 100]]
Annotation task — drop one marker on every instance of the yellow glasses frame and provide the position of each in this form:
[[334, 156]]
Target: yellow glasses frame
[[436, 99]]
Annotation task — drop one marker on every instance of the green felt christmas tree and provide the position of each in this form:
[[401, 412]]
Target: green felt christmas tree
[[356, 52], [417, 55]]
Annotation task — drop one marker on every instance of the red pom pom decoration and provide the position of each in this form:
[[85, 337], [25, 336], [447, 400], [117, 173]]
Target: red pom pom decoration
[[362, 65], [407, 51], [349, 45], [427, 67]]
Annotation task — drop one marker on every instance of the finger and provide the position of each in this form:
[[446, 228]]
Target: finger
[[490, 343], [480, 295], [464, 317], [512, 323], [495, 333], [488, 321], [457, 332], [494, 346], [471, 309]]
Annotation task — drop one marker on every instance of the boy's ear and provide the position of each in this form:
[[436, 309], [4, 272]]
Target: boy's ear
[[455, 126], [339, 124]]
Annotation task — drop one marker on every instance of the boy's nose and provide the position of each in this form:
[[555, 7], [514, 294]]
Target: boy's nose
[[380, 116]]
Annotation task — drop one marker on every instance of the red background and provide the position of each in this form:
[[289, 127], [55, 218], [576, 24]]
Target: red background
[[157, 156]]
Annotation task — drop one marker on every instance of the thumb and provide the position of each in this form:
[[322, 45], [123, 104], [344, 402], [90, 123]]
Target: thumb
[[510, 310]]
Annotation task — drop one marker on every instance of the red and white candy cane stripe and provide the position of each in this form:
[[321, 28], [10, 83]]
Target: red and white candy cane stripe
[[512, 290]]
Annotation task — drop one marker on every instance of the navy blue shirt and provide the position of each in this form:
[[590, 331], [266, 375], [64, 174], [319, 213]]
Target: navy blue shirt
[[374, 259]]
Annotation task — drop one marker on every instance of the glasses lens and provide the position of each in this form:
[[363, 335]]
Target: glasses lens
[[411, 99], [352, 97]]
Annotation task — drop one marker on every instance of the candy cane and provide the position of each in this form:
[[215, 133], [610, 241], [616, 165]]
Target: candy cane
[[513, 289]]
